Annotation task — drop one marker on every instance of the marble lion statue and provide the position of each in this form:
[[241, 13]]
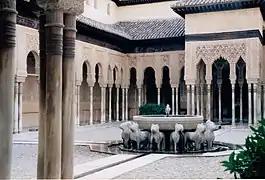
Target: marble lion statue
[[140, 137], [197, 136], [158, 137], [126, 131], [175, 136], [209, 133]]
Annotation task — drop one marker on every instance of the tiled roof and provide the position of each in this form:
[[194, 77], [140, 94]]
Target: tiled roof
[[135, 2], [141, 29], [204, 2]]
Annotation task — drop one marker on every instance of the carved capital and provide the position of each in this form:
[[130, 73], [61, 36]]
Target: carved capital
[[68, 6]]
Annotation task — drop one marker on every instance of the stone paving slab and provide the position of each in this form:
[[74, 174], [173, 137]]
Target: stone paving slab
[[120, 169], [101, 163]]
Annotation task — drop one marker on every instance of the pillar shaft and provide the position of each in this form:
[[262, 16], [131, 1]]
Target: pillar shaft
[[118, 104], [198, 100], [241, 104], [103, 92], [263, 94], [68, 96], [77, 108], [233, 105], [249, 104], [126, 103], [139, 97], [42, 99], [54, 93], [91, 104], [219, 103], [158, 95], [188, 99], [7, 55], [177, 100], [202, 99], [123, 103], [255, 104], [173, 100], [193, 99], [110, 100], [209, 101], [18, 113]]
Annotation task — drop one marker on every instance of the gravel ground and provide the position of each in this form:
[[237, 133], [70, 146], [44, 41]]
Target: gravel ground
[[181, 168], [24, 159]]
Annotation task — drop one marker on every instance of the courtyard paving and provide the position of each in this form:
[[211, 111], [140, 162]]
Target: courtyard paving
[[24, 160]]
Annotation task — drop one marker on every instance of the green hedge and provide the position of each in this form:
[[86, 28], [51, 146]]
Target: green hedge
[[152, 109]]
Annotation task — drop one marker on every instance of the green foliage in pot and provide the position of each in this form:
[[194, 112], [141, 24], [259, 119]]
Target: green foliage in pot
[[249, 163], [152, 109]]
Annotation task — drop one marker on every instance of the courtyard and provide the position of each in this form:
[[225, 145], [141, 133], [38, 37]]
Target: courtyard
[[99, 165]]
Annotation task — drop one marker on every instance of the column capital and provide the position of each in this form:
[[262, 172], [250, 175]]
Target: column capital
[[78, 82], [20, 79], [68, 6], [174, 85]]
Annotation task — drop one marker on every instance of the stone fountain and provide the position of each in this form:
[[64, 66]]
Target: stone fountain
[[180, 133]]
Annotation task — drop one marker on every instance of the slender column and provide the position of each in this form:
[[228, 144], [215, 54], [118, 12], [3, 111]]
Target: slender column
[[15, 124], [123, 103], [193, 99], [209, 101], [126, 103], [258, 103], [7, 56], [139, 96], [158, 95], [241, 103], [54, 93], [110, 94], [117, 104], [255, 104], [77, 105], [233, 104], [68, 121], [202, 99], [102, 105], [177, 100], [198, 99], [263, 94], [20, 106], [18, 113], [173, 100], [249, 104], [42, 99], [188, 99], [219, 102], [91, 104]]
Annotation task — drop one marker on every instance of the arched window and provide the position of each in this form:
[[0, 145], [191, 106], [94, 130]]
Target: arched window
[[95, 4], [108, 9]]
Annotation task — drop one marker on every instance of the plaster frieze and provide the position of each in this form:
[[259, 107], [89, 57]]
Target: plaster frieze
[[230, 51], [87, 53], [165, 60], [32, 43], [132, 61], [181, 60]]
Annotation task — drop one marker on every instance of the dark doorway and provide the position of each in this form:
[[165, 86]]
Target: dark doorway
[[150, 84]]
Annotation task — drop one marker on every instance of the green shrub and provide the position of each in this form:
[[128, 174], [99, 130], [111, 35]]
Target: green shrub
[[249, 163], [152, 109]]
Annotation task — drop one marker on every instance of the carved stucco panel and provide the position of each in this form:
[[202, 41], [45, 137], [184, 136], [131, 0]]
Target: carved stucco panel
[[32, 43], [132, 61], [87, 53], [165, 60]]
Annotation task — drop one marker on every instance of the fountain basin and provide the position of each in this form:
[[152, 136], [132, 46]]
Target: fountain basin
[[168, 123]]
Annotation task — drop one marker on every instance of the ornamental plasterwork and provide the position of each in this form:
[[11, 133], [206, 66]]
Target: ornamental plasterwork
[[32, 42], [99, 55], [181, 60], [87, 52], [149, 59], [132, 61], [230, 51], [165, 59]]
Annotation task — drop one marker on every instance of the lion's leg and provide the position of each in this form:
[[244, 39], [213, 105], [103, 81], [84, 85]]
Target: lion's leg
[[210, 144], [175, 147], [197, 145], [163, 144]]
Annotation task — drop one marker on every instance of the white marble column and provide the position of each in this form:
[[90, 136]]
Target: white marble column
[[158, 95], [123, 103], [258, 103], [209, 101], [102, 105], [263, 94], [126, 103], [177, 100], [254, 104], [233, 104], [241, 103], [117, 104], [91, 88], [173, 100], [110, 99], [188, 99], [219, 102], [139, 97], [193, 99], [18, 113], [78, 105], [249, 104], [202, 99], [198, 99]]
